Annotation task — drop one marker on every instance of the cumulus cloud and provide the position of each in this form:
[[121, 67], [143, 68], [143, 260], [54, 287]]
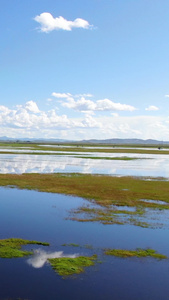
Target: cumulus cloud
[[90, 122], [29, 117], [32, 106], [49, 23], [85, 105], [61, 95], [80, 103], [152, 107], [27, 120]]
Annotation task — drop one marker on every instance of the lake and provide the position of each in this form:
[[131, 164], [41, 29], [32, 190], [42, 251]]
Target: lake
[[42, 216]]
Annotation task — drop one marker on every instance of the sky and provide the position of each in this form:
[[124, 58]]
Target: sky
[[88, 69]]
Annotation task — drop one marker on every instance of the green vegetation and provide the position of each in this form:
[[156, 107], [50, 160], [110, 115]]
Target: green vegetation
[[106, 191], [110, 216], [110, 158], [135, 253], [10, 248], [68, 266], [71, 245], [73, 147]]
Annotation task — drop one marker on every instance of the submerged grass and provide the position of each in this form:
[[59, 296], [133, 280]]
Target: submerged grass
[[135, 253], [10, 248], [109, 216], [68, 266]]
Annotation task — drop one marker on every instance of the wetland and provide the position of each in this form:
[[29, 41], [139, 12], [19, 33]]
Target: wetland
[[84, 233]]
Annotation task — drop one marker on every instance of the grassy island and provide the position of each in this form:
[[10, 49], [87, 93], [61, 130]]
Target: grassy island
[[11, 248], [135, 253], [68, 266]]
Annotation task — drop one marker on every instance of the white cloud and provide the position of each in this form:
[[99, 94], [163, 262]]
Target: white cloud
[[152, 107], [114, 114], [49, 23], [107, 104], [28, 120], [29, 117], [32, 106], [61, 95], [91, 122], [167, 96], [83, 95], [4, 109], [85, 105]]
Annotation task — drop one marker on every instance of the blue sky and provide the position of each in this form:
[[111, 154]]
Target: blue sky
[[84, 69]]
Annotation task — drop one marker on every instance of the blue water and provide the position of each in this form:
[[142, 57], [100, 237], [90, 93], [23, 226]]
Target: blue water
[[42, 216]]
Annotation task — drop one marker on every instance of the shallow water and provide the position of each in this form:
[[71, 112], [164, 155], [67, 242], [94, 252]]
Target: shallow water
[[106, 147], [146, 165], [41, 216]]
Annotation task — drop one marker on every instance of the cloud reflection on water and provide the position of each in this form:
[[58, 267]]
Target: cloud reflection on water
[[158, 165], [40, 257]]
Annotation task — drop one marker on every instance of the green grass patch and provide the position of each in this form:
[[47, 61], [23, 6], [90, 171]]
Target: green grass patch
[[106, 191], [71, 245], [109, 216], [135, 253], [81, 148], [68, 266], [110, 158], [11, 248]]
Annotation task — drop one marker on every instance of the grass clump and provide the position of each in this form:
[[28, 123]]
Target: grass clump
[[109, 216], [110, 158], [11, 248], [71, 245], [135, 253], [68, 266]]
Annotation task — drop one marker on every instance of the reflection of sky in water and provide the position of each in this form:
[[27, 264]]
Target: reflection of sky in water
[[104, 147], [40, 257], [158, 165]]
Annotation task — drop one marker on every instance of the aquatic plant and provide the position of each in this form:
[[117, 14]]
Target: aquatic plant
[[65, 266], [135, 253], [10, 248], [71, 245]]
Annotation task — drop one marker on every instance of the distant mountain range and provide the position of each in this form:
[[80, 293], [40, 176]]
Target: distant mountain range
[[92, 141], [127, 141], [31, 140]]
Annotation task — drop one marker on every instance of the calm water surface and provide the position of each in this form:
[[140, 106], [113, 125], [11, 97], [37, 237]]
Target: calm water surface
[[146, 165], [41, 216]]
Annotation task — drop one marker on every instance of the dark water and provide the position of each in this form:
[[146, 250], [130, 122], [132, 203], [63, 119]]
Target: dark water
[[41, 216]]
